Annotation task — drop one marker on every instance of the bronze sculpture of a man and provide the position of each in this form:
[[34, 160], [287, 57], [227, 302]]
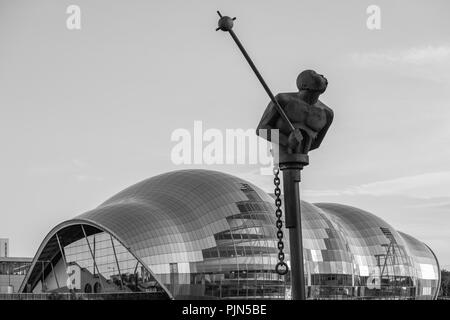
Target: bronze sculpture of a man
[[306, 112]]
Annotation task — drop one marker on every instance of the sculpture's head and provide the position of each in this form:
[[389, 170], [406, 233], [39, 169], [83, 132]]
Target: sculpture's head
[[312, 81]]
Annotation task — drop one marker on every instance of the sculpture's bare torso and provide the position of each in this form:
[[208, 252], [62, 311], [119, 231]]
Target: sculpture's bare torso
[[310, 117], [301, 114]]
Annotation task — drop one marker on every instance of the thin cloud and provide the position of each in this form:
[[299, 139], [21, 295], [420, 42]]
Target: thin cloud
[[76, 168], [429, 62], [422, 186], [412, 56], [58, 168]]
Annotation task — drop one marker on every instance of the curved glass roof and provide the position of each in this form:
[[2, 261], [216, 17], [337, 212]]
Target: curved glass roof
[[217, 233]]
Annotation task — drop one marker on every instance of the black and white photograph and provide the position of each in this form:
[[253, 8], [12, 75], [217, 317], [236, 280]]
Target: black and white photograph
[[224, 151]]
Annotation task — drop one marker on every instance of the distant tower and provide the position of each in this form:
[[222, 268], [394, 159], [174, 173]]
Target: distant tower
[[4, 248]]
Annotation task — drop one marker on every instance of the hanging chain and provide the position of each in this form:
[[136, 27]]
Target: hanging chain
[[281, 268]]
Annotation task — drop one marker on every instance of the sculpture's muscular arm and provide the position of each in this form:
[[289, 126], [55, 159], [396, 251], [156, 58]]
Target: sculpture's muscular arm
[[269, 119], [318, 140]]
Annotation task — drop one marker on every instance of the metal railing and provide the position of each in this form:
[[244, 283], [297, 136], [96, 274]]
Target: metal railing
[[85, 296]]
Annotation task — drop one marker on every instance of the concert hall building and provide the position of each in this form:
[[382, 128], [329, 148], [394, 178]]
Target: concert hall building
[[198, 234]]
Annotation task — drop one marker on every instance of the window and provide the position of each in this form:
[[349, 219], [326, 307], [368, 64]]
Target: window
[[87, 288], [97, 287], [173, 267]]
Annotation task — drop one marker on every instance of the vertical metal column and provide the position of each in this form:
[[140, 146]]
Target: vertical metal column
[[94, 254], [135, 274], [292, 209]]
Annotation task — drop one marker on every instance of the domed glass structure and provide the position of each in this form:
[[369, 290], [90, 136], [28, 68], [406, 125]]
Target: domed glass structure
[[205, 234]]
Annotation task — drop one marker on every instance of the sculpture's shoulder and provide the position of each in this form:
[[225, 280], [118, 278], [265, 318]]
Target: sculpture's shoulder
[[327, 109], [285, 97]]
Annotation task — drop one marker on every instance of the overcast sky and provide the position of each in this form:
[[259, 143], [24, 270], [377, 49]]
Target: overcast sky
[[86, 113]]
